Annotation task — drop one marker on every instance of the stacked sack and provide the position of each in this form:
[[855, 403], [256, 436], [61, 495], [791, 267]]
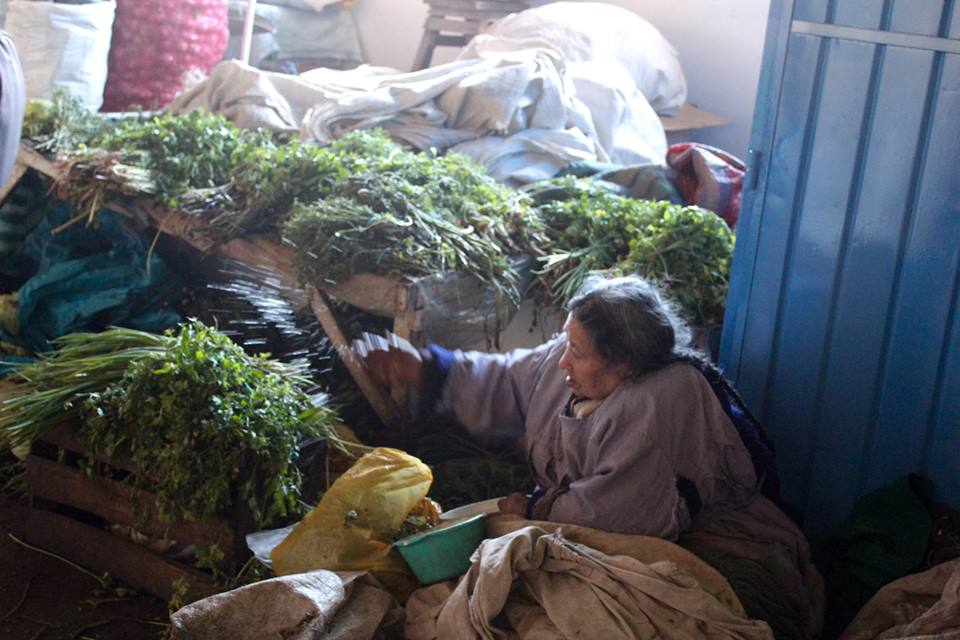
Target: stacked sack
[[157, 45]]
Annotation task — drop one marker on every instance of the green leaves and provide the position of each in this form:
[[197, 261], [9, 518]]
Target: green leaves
[[593, 230], [400, 212], [205, 424], [192, 151]]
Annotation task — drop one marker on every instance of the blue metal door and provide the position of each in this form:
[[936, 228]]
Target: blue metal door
[[842, 328]]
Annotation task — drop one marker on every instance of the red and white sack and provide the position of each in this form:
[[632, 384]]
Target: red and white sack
[[157, 44]]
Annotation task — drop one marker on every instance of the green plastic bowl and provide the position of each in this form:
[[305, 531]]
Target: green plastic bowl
[[443, 552]]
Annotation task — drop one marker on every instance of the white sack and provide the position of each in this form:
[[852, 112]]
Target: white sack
[[63, 46], [598, 32]]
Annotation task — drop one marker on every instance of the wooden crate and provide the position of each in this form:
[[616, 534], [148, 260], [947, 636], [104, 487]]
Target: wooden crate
[[71, 514]]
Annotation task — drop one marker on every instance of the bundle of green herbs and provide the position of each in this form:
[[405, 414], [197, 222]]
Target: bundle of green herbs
[[268, 177], [193, 151], [52, 389], [400, 212], [205, 425], [688, 250], [60, 124], [592, 230]]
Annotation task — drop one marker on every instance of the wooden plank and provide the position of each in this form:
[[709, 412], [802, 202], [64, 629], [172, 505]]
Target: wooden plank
[[101, 551], [37, 161], [691, 117], [425, 50], [63, 437], [115, 502], [18, 170], [382, 404], [483, 15]]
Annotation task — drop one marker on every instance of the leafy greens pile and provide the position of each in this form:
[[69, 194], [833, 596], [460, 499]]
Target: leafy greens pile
[[365, 204], [417, 213], [205, 424], [406, 213], [594, 230]]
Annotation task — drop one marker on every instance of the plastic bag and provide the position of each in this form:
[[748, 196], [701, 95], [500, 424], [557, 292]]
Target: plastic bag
[[86, 279], [352, 528], [63, 46]]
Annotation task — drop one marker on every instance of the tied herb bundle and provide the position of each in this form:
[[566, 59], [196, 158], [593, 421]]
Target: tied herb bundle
[[267, 179], [205, 424], [51, 391], [593, 230], [194, 151], [60, 124], [400, 212]]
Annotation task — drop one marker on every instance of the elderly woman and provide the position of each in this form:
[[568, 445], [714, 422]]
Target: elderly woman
[[627, 429], [620, 427]]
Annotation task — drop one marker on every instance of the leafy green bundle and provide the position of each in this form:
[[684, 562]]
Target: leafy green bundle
[[52, 389], [406, 213], [194, 151], [688, 250], [594, 230], [60, 124], [205, 424]]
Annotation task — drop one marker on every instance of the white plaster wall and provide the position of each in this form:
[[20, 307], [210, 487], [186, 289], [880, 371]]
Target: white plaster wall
[[720, 44]]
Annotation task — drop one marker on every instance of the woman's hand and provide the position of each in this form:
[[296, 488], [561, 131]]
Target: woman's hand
[[392, 362], [515, 503]]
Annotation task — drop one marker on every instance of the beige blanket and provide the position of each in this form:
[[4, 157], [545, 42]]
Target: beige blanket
[[534, 584], [923, 605]]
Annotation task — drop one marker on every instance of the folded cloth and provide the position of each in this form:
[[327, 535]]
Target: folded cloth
[[710, 178], [546, 586], [515, 104], [923, 605]]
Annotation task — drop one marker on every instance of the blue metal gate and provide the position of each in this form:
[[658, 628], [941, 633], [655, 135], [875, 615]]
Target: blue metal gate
[[842, 328]]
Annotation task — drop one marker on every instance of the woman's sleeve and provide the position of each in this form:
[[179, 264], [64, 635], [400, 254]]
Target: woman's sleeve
[[490, 393], [633, 489]]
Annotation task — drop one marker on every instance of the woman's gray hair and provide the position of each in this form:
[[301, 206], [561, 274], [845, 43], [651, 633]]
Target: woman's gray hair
[[631, 322]]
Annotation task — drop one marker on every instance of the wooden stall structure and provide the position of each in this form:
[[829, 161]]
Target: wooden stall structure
[[403, 299]]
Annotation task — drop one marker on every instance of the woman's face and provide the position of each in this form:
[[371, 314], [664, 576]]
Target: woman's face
[[588, 375]]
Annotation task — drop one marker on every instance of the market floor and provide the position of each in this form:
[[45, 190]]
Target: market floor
[[42, 598]]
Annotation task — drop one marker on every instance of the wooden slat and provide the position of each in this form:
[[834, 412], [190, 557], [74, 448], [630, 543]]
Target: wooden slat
[[508, 6], [691, 117], [18, 170], [49, 480], [39, 162], [482, 15], [382, 404], [63, 437], [101, 551]]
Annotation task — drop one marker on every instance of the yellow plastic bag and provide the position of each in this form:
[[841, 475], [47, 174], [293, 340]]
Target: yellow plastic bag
[[352, 528]]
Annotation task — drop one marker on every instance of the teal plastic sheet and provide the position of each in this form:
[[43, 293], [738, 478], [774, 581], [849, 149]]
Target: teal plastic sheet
[[86, 279]]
